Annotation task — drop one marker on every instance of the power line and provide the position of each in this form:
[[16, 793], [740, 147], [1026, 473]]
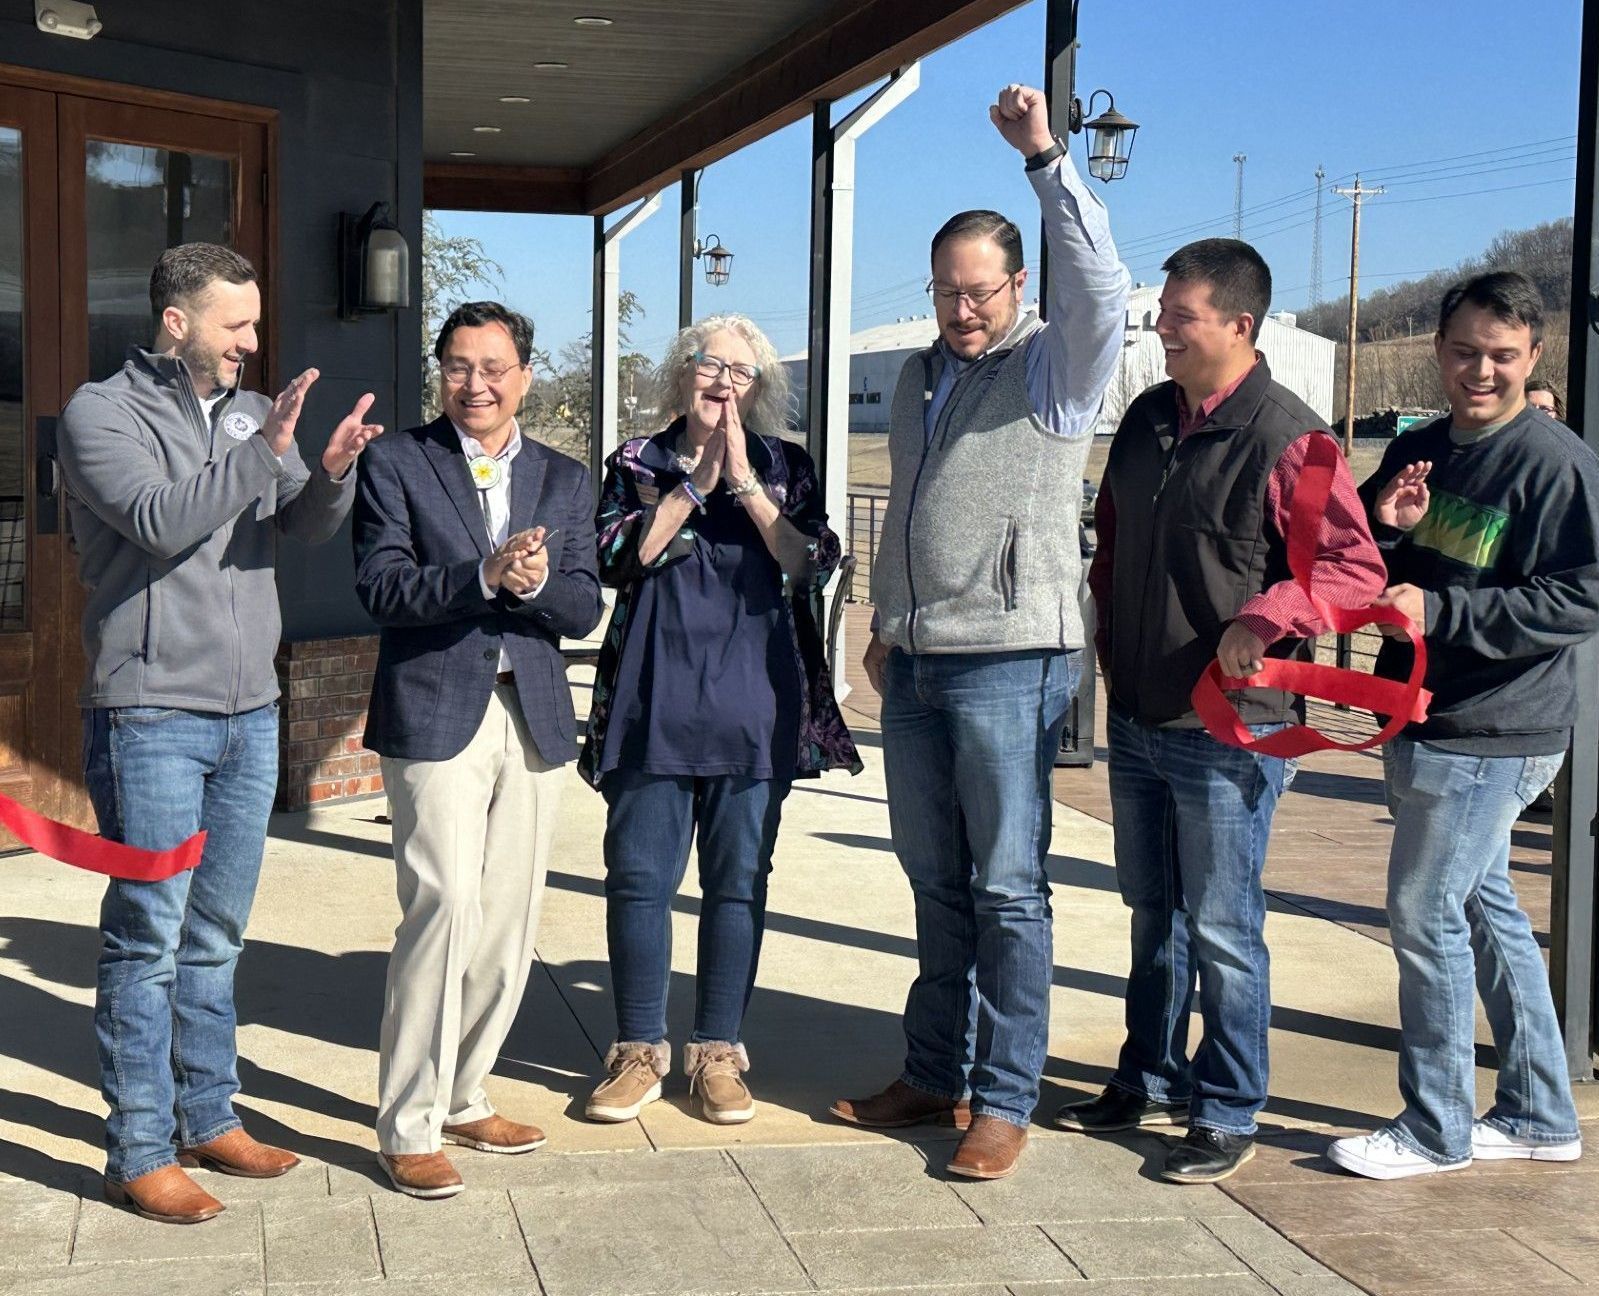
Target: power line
[[1471, 193], [1394, 172], [1503, 148]]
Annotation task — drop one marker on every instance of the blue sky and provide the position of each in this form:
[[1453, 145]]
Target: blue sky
[[1465, 111]]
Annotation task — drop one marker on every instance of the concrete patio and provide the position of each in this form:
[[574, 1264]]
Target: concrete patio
[[792, 1202]]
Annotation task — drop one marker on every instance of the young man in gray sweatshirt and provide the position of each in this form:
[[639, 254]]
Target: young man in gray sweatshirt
[[978, 642], [179, 483]]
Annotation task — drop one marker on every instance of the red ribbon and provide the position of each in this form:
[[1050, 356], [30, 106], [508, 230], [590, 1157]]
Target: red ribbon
[[86, 851], [1402, 702]]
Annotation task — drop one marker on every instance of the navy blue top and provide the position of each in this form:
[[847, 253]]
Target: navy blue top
[[708, 682]]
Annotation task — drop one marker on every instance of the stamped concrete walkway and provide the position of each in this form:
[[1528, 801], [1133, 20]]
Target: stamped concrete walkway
[[792, 1202]]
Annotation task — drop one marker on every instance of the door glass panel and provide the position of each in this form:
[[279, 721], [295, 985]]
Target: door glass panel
[[13, 441], [140, 201]]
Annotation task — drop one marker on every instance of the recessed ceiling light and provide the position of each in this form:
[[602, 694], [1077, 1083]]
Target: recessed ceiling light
[[485, 130], [515, 99], [593, 21], [462, 153], [550, 67]]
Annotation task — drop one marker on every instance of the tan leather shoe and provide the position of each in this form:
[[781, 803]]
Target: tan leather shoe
[[167, 1196], [236, 1153], [990, 1149], [900, 1105], [495, 1134], [428, 1175]]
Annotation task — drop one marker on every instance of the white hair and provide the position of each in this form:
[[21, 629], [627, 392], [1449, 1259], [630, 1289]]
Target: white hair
[[769, 414]]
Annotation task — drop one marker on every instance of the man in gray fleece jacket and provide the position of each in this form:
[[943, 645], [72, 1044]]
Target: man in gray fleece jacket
[[179, 484]]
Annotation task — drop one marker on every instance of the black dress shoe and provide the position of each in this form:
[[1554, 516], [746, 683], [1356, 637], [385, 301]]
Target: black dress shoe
[[1207, 1156], [1119, 1109]]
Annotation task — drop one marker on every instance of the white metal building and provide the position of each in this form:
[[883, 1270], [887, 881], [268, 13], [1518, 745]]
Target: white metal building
[[1301, 361]]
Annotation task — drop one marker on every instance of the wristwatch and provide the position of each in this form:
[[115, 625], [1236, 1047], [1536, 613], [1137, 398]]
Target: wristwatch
[[1043, 158]]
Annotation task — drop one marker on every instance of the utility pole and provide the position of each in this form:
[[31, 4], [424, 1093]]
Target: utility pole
[[1356, 196], [1238, 195], [1315, 241]]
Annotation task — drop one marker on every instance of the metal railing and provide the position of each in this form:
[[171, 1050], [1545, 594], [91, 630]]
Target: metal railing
[[863, 524]]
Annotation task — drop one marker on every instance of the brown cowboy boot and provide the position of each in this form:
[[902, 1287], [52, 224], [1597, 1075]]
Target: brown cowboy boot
[[236, 1153], [900, 1105], [990, 1150], [167, 1196]]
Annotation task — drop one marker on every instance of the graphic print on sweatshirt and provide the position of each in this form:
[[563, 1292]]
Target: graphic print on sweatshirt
[[1457, 528]]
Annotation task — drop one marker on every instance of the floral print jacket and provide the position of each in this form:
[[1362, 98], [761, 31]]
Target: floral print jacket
[[636, 475]]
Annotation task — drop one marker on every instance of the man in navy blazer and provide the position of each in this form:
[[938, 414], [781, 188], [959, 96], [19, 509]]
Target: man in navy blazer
[[474, 552]]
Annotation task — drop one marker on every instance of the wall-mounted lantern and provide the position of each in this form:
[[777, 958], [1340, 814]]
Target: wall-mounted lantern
[[718, 260], [1110, 139], [374, 263], [67, 18]]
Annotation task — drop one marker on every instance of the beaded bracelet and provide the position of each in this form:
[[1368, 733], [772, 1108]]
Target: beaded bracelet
[[748, 486], [693, 493]]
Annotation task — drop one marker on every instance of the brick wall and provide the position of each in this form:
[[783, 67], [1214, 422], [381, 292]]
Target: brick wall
[[326, 684]]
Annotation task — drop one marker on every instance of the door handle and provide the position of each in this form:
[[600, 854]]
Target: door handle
[[46, 477]]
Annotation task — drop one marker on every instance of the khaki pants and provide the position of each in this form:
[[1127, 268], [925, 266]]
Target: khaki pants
[[471, 842]]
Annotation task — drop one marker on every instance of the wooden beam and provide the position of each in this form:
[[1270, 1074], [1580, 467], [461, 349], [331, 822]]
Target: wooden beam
[[851, 45], [465, 186]]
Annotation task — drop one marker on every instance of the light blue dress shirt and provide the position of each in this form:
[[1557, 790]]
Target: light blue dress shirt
[[1072, 358]]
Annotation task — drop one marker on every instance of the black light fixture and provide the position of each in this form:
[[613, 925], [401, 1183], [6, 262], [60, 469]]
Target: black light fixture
[[374, 263], [718, 260], [1107, 154]]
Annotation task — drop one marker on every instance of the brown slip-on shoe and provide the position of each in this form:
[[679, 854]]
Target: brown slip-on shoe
[[990, 1149], [167, 1196], [236, 1153], [900, 1105], [495, 1134], [428, 1175]]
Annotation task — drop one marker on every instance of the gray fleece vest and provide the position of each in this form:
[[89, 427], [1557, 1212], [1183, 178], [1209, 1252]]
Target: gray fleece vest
[[979, 548]]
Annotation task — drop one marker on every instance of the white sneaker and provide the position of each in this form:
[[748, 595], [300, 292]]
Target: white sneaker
[[1492, 1144], [1383, 1156]]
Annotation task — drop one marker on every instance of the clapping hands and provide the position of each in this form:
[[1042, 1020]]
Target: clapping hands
[[521, 563]]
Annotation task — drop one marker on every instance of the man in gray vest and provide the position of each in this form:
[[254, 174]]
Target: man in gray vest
[[978, 641]]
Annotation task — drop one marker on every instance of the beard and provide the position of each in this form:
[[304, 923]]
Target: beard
[[206, 365]]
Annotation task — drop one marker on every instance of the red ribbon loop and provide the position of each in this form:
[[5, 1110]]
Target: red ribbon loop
[[1403, 703], [86, 851]]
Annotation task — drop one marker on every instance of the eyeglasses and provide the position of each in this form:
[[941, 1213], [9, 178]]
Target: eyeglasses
[[458, 371], [975, 297], [709, 366]]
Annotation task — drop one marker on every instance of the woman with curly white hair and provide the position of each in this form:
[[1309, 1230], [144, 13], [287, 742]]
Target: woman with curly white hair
[[711, 696]]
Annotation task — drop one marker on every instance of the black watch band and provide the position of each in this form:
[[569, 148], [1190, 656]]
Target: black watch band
[[1042, 159]]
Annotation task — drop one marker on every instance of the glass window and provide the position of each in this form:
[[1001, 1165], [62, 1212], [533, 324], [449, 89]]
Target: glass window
[[13, 437], [141, 201]]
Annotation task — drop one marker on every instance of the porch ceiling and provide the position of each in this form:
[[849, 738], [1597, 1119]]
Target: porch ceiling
[[668, 84]]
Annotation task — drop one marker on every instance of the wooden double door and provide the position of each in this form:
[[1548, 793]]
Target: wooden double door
[[94, 182]]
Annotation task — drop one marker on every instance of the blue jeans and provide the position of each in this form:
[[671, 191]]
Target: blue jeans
[[969, 742], [651, 823], [163, 1015], [1192, 819], [1452, 911]]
